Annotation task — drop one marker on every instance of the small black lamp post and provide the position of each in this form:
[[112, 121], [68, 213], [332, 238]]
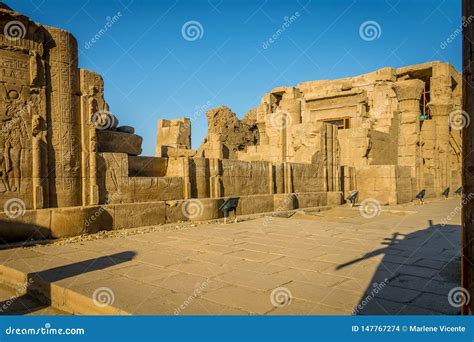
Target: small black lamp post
[[228, 206], [352, 197], [421, 196], [446, 193]]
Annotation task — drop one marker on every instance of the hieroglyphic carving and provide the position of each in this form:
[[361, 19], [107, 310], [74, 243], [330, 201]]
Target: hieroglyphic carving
[[14, 67], [65, 179], [14, 114], [92, 101]]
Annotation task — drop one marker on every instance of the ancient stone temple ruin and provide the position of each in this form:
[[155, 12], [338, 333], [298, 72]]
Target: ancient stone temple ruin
[[68, 168]]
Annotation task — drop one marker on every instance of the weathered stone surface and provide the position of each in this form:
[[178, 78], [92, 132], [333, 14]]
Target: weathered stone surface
[[139, 215], [387, 134], [118, 142], [72, 221], [233, 133], [237, 266], [139, 166], [173, 134]]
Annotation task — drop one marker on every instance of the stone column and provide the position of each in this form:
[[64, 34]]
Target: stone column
[[329, 149], [64, 124], [271, 178], [291, 106], [467, 274], [441, 105], [409, 94], [215, 178], [38, 115], [288, 178], [186, 179], [440, 116], [92, 101]]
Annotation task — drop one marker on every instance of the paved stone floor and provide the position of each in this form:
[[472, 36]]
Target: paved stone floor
[[401, 261]]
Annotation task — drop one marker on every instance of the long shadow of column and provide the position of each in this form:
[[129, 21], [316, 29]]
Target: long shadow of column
[[416, 275], [38, 284]]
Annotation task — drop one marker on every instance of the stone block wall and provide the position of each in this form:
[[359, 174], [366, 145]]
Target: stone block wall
[[73, 221], [307, 177], [245, 178], [377, 182], [388, 184], [117, 186]]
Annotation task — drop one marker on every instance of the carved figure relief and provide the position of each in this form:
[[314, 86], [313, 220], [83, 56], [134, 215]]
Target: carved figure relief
[[13, 137]]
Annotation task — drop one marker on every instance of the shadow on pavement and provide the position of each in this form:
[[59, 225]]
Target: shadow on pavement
[[37, 294], [416, 274]]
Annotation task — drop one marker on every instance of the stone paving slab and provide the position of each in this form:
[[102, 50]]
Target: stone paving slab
[[403, 261]]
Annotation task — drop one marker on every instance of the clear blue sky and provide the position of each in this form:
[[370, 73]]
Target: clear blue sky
[[152, 72]]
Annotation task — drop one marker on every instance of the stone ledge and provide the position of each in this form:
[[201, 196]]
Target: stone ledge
[[44, 224], [119, 142], [55, 295]]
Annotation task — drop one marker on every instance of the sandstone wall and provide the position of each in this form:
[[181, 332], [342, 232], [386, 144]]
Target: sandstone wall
[[72, 221], [388, 184], [117, 186], [307, 178], [245, 178]]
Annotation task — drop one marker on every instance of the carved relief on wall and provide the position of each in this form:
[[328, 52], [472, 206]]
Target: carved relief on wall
[[14, 136]]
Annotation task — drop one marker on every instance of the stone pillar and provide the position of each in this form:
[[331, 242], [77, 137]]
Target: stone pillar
[[329, 150], [64, 125], [92, 102], [293, 108], [288, 178], [467, 274], [38, 115], [186, 179], [271, 178], [409, 94], [215, 183], [279, 178], [440, 116], [441, 105]]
